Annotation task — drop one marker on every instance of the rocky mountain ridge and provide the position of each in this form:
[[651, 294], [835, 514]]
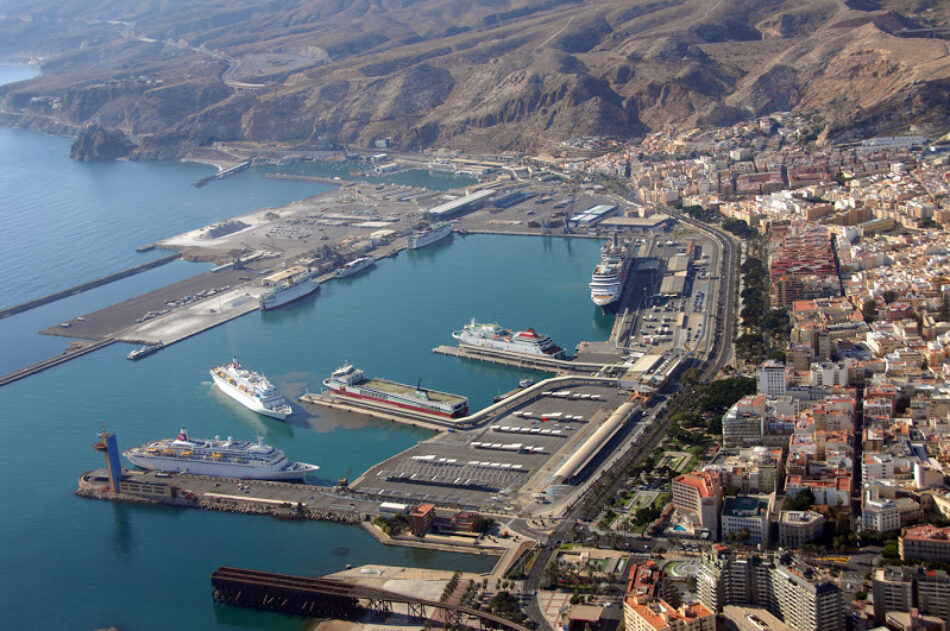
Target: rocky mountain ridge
[[493, 74]]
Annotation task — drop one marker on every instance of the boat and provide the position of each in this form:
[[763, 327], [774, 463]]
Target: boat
[[607, 281], [224, 458], [144, 351], [495, 337], [430, 234], [286, 286], [355, 266], [352, 382], [251, 390]]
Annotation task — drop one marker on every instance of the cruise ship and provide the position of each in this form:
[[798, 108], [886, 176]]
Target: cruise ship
[[251, 390], [430, 234], [355, 266], [493, 336], [352, 382], [606, 283], [286, 286], [225, 458]]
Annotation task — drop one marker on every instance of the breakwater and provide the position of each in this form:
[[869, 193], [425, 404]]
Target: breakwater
[[55, 360], [92, 284]]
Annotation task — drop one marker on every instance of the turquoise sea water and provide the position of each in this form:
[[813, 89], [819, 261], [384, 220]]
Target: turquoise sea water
[[74, 563]]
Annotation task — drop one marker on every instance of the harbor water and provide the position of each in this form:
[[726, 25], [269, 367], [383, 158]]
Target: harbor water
[[139, 567]]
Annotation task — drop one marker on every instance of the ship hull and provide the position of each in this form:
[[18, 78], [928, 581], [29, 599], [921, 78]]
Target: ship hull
[[367, 394], [298, 291], [249, 402], [421, 241], [222, 470], [508, 347], [345, 272]]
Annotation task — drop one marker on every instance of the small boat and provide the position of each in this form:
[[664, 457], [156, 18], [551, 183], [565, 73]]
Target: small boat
[[144, 351]]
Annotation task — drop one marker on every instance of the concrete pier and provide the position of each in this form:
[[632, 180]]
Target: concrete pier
[[546, 364], [279, 499], [92, 284], [73, 352]]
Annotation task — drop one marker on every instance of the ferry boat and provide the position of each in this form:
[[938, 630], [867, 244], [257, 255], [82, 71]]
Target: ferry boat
[[251, 390], [495, 337], [225, 458], [287, 286], [429, 235], [355, 266], [352, 382], [607, 281], [144, 351]]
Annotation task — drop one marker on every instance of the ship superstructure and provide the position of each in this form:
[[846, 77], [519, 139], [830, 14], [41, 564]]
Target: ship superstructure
[[225, 458], [286, 286], [432, 233], [607, 281], [353, 382], [493, 336], [251, 390], [355, 266]]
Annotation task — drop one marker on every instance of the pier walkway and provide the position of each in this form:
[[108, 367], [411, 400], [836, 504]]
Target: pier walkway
[[55, 360], [545, 364], [337, 598], [92, 284]]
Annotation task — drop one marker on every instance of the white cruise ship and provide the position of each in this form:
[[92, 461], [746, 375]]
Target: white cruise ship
[[527, 342], [606, 283], [251, 390], [287, 286], [355, 266], [225, 458], [429, 235]]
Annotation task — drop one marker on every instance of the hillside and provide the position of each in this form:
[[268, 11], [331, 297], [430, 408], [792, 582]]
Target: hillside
[[494, 74]]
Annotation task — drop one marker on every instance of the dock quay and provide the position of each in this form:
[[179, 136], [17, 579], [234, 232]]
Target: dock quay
[[284, 500], [76, 350], [92, 284], [306, 178], [544, 364], [220, 175]]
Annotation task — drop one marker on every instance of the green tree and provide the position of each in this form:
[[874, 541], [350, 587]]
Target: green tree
[[869, 310]]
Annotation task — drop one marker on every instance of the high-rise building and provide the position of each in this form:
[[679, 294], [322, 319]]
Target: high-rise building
[[772, 378], [790, 590], [696, 496], [905, 588]]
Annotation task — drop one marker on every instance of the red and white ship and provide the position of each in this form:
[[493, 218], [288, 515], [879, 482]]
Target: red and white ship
[[352, 382]]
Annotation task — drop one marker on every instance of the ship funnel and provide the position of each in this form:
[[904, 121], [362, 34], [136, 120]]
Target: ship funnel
[[183, 434]]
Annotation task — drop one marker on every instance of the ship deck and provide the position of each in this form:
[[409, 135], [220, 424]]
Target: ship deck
[[404, 390]]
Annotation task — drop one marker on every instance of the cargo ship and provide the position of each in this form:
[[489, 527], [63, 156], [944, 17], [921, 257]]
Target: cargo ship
[[286, 286], [355, 266], [432, 233], [251, 390], [495, 337], [224, 458], [352, 382], [607, 281]]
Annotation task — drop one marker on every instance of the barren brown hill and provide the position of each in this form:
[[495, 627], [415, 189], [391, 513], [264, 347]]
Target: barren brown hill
[[493, 74]]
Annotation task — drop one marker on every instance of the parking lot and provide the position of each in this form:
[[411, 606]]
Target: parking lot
[[504, 464]]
